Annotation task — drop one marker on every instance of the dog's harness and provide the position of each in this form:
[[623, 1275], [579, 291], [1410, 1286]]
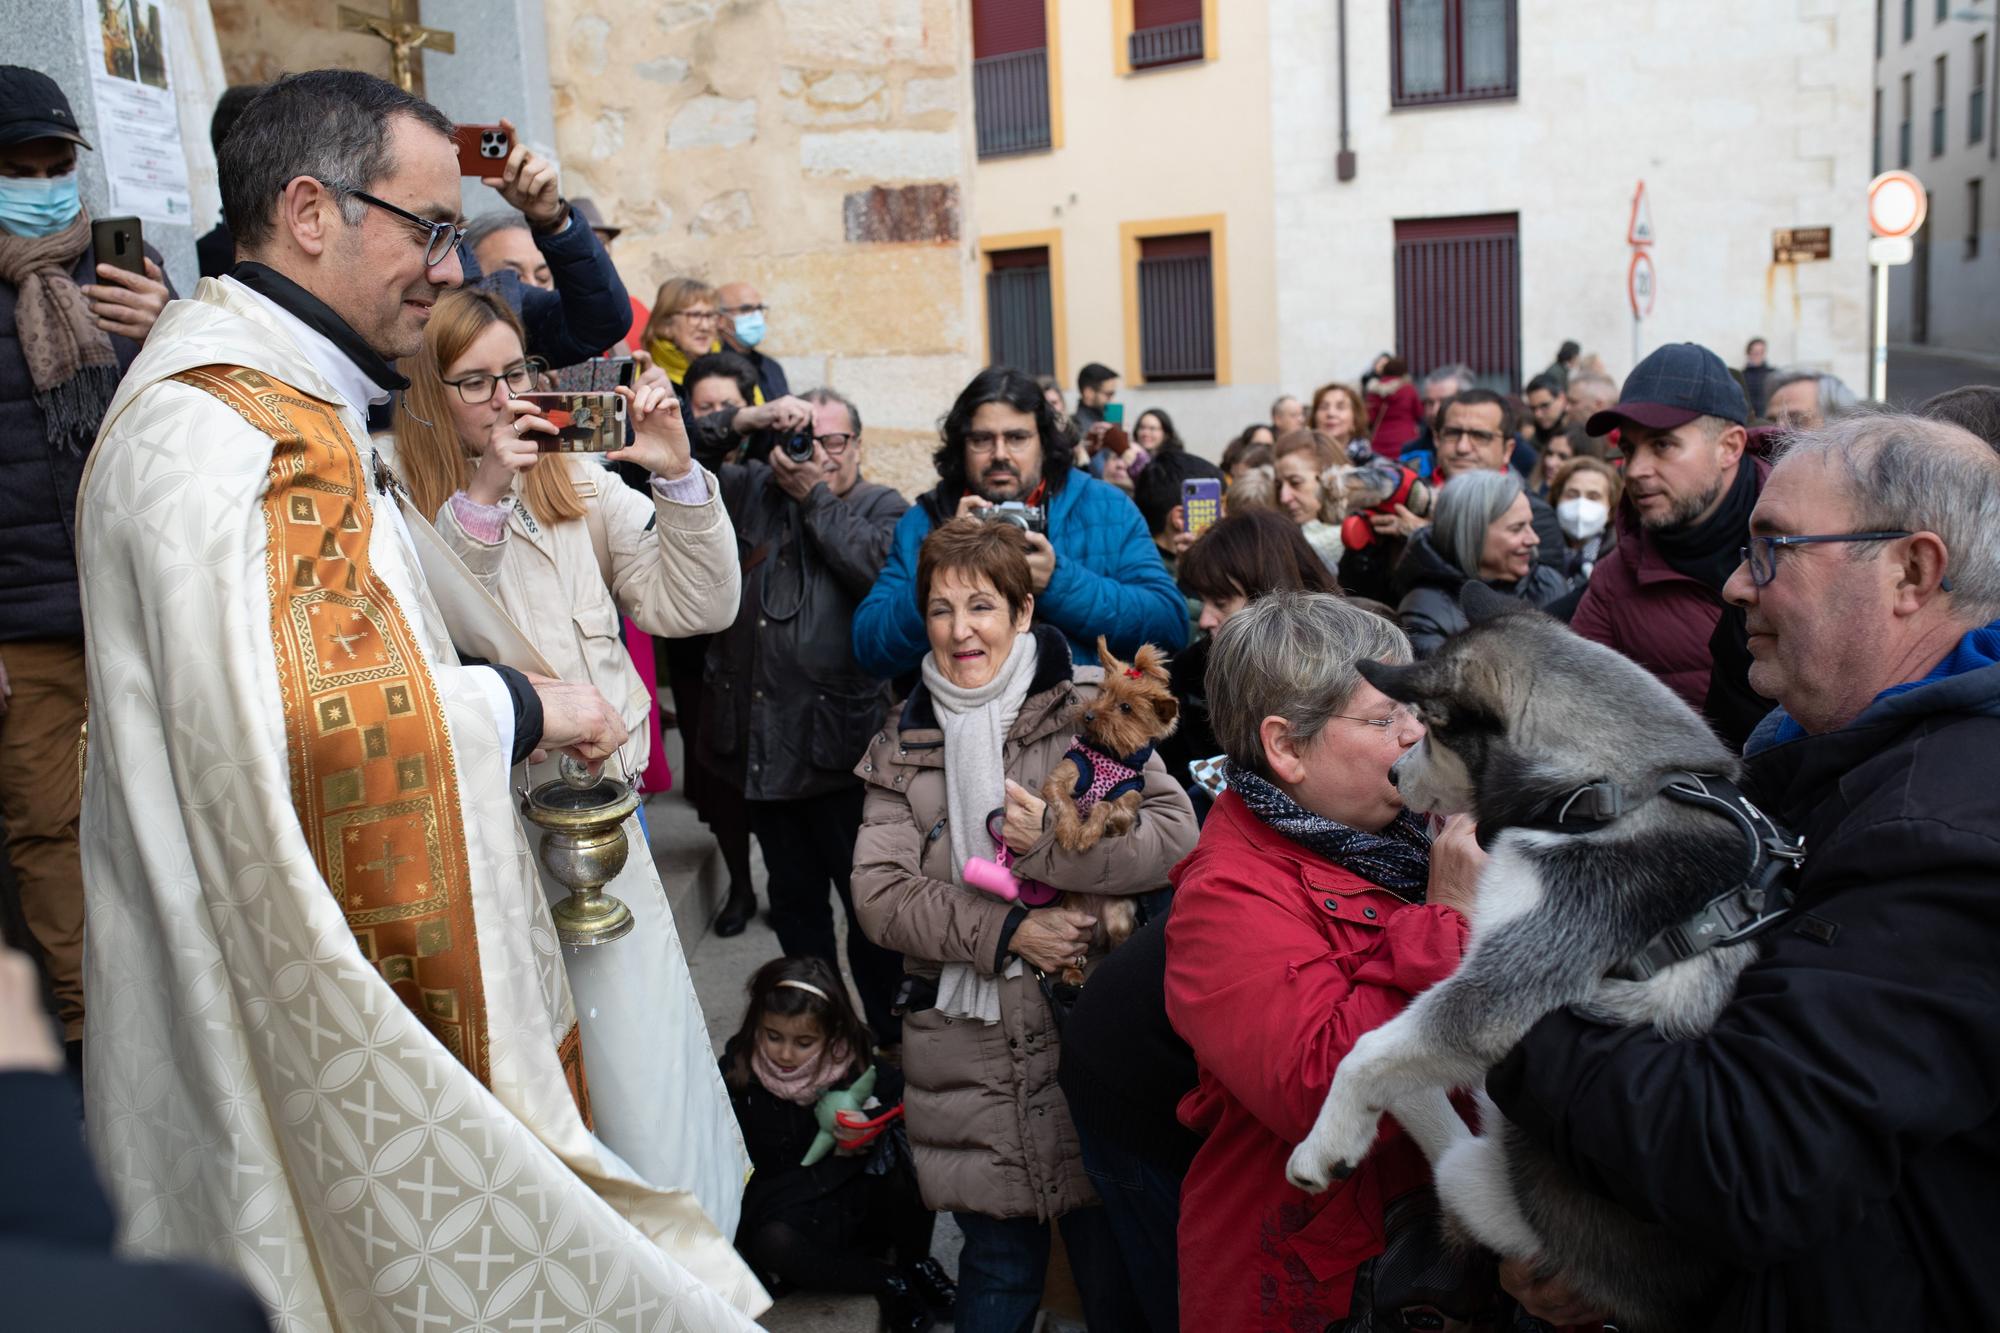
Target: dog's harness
[[1105, 777], [1761, 900]]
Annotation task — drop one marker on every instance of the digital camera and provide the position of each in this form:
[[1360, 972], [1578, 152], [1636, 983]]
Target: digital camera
[[798, 446], [1026, 517]]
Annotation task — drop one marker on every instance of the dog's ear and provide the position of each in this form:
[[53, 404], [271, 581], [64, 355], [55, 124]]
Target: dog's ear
[[1481, 603], [1106, 657], [1167, 709], [1150, 660], [1406, 684]]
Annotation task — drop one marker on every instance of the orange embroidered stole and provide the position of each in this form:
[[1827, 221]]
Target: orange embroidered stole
[[373, 777]]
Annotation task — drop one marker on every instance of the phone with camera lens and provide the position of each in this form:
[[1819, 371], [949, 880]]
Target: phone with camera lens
[[586, 423], [120, 243], [482, 149], [1201, 504]]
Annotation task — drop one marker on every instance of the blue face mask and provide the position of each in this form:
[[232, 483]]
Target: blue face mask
[[750, 328], [40, 207]]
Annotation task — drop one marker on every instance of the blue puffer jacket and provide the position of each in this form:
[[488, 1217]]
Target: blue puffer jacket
[[1108, 580]]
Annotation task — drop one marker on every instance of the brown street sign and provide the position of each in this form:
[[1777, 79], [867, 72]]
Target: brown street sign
[[1801, 245]]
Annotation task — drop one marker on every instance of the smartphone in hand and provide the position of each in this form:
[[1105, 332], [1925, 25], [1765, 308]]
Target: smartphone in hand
[[120, 243], [482, 150], [586, 423], [1201, 504]]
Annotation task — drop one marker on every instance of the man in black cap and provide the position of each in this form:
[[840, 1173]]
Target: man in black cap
[[1689, 490], [65, 340]]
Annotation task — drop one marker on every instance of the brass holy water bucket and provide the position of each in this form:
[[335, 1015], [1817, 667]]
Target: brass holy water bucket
[[582, 817]]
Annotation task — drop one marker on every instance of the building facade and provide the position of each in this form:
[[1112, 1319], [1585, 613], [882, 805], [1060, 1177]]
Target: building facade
[[1226, 205], [1934, 116]]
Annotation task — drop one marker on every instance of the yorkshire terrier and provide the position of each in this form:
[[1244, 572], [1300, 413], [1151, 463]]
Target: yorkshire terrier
[[1096, 790]]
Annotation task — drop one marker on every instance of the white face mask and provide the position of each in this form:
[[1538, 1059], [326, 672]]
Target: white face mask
[[1582, 519]]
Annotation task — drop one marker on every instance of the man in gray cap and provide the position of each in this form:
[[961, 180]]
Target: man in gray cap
[[1689, 490], [69, 327]]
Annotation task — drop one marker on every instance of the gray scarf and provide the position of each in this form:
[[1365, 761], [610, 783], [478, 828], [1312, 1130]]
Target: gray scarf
[[975, 724]]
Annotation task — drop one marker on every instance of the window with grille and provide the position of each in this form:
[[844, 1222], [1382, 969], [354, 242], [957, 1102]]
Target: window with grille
[[1458, 296], [1010, 76], [1875, 143], [1903, 129], [1972, 219], [1909, 19], [1020, 311], [1451, 51], [1975, 129], [1176, 308], [1165, 32], [1937, 108]]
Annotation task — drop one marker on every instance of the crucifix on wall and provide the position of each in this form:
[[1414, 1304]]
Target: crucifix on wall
[[407, 37]]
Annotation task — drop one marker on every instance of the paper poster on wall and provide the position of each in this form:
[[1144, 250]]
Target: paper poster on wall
[[138, 128]]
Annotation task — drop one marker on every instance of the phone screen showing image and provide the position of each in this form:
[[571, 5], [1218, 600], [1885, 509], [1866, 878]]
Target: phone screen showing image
[[586, 423]]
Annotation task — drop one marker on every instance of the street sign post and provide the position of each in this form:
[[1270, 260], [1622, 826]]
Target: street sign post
[[1897, 205]]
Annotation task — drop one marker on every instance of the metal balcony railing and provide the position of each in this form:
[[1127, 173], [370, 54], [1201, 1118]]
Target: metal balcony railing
[[1174, 44], [1010, 99]]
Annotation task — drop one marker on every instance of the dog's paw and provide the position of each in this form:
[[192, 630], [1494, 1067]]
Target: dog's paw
[[1333, 1150]]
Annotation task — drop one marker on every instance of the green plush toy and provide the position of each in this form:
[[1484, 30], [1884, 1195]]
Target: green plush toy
[[831, 1104]]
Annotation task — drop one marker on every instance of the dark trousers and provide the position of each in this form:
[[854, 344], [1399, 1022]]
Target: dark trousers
[[1142, 1202], [797, 1256], [808, 844], [1006, 1260], [718, 801]]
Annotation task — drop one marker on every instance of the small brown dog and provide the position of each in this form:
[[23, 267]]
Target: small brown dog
[[1096, 790]]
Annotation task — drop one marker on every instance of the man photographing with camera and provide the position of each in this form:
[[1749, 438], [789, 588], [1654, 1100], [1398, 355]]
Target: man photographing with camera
[[1095, 568], [787, 710]]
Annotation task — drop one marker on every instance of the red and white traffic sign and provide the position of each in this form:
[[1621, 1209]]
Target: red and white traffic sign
[[1639, 231], [1641, 284], [1897, 204]]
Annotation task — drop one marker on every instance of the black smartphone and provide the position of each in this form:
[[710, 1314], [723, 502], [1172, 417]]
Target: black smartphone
[[119, 243]]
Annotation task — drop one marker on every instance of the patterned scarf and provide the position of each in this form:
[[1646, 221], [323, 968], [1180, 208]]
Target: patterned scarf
[[70, 359], [802, 1086], [1398, 858]]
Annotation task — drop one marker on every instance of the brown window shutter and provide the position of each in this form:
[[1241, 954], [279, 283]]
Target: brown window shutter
[[1020, 315], [1458, 295], [1002, 27], [1160, 13], [1176, 308]]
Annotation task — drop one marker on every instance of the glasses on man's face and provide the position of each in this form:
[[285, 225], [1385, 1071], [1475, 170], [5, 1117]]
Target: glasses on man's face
[[984, 441], [1762, 552], [1484, 439], [440, 238], [1399, 713], [835, 444], [477, 387], [739, 311], [699, 316]]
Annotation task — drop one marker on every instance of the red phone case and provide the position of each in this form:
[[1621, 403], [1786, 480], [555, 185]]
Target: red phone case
[[482, 149]]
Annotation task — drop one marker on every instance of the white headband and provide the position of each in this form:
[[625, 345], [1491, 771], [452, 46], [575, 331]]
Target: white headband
[[808, 988]]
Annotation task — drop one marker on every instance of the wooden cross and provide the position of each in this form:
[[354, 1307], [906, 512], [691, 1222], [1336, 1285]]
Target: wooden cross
[[407, 37]]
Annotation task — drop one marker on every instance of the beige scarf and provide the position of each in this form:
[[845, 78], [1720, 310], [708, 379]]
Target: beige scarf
[[70, 359]]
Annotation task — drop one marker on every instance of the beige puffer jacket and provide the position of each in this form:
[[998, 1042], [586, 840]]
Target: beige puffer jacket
[[990, 1127], [673, 566]]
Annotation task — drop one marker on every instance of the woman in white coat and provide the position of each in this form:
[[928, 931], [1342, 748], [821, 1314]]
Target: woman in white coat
[[563, 544]]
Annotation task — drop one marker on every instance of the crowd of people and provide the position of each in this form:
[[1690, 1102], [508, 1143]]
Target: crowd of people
[[308, 543]]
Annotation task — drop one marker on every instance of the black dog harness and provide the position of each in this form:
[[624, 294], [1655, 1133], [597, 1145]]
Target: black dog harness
[[1759, 901]]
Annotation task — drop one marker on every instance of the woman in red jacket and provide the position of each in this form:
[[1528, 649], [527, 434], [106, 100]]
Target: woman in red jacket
[[1312, 910]]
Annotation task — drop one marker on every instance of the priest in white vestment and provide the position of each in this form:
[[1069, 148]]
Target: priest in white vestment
[[330, 1044]]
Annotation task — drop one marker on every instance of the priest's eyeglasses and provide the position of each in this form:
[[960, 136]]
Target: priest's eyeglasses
[[477, 387], [441, 237], [1762, 552]]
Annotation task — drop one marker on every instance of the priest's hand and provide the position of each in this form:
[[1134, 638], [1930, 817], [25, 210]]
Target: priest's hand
[[577, 720], [659, 439], [27, 1041], [127, 304]]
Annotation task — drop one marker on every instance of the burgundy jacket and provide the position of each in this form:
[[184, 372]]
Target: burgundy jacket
[[1652, 613], [1277, 961]]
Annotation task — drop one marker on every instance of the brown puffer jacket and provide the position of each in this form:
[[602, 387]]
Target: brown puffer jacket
[[990, 1127]]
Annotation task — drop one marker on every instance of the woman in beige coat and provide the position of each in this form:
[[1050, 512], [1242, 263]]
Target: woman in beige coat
[[563, 544], [963, 762]]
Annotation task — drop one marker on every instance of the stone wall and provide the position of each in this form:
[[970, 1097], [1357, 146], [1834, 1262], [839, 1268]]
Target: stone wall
[[815, 148]]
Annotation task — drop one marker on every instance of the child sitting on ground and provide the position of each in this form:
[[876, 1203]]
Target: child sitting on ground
[[828, 1226]]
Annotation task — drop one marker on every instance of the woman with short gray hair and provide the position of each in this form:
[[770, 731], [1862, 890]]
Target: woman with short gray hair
[[1313, 909], [1482, 528]]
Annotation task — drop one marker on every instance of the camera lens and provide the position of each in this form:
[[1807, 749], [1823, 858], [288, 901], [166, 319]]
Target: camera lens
[[799, 448]]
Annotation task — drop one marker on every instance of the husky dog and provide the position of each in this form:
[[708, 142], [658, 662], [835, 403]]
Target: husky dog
[[1580, 768]]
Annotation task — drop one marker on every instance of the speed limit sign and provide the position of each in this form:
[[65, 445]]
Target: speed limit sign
[[1640, 284]]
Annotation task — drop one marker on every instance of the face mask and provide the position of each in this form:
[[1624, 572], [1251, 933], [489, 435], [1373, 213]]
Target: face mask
[[750, 328], [1582, 519], [38, 207]]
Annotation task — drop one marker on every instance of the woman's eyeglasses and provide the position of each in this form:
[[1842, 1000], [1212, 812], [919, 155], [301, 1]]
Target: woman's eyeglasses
[[477, 388], [1401, 712], [698, 316]]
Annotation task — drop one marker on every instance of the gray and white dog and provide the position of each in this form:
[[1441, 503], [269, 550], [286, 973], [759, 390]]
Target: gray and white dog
[[1525, 723]]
